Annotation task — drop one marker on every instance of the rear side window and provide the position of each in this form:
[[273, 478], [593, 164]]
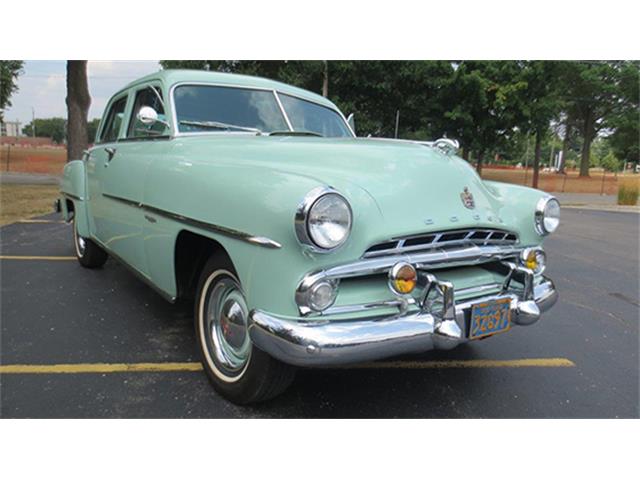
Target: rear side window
[[114, 121], [148, 97]]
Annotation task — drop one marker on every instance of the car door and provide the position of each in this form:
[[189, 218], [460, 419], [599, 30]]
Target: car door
[[116, 175]]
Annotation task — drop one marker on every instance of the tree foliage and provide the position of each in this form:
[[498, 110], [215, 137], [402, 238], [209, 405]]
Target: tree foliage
[[492, 107], [9, 72], [53, 128]]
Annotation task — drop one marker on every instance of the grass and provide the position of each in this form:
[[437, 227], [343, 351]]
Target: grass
[[18, 202], [629, 191]]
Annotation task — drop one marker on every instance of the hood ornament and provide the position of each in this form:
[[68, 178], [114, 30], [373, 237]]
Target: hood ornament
[[467, 199]]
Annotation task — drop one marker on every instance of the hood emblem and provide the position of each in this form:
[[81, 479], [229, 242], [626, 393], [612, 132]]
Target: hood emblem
[[467, 199]]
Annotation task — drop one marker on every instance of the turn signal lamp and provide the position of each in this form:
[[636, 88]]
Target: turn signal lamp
[[403, 278], [534, 259]]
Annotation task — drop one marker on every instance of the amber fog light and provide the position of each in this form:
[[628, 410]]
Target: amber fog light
[[534, 259], [403, 278]]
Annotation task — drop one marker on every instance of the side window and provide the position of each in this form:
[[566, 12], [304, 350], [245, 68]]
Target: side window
[[114, 121], [148, 97]]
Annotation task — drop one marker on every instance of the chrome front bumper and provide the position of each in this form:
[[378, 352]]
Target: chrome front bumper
[[444, 325]]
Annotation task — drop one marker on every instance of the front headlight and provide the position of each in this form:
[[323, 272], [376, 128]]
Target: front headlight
[[547, 215], [323, 220]]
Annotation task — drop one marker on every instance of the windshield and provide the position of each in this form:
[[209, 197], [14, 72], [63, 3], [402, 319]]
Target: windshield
[[208, 108], [311, 117]]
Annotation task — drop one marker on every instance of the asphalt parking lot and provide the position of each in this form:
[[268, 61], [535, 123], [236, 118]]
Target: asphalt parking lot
[[72, 340]]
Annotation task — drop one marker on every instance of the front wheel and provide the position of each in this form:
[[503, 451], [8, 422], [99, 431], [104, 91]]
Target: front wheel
[[239, 371], [88, 253]]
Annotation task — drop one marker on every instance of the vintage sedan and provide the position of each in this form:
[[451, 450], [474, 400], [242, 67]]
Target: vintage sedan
[[297, 243]]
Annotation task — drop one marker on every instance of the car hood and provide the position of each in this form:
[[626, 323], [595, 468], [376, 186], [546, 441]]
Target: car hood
[[413, 187]]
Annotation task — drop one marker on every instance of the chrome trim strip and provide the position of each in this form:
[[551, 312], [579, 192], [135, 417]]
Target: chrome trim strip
[[229, 232], [284, 112]]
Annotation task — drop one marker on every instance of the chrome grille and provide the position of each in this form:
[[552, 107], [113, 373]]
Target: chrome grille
[[439, 240]]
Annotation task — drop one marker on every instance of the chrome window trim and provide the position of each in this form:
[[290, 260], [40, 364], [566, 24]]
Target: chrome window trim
[[174, 114], [103, 125], [284, 112], [302, 215], [539, 214]]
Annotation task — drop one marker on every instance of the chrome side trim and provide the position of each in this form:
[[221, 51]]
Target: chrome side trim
[[229, 232]]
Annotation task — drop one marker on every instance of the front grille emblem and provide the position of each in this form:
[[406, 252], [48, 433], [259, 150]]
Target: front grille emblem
[[467, 199]]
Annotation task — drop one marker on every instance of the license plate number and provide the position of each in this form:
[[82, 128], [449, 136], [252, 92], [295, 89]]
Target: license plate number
[[489, 318]]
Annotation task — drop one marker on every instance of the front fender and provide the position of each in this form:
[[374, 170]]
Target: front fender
[[73, 189]]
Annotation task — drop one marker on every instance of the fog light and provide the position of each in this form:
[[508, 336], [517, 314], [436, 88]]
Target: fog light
[[322, 295], [534, 259], [403, 278]]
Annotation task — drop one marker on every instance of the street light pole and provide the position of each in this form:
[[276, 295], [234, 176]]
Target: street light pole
[[33, 122]]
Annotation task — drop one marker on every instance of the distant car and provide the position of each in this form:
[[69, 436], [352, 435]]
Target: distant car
[[298, 243]]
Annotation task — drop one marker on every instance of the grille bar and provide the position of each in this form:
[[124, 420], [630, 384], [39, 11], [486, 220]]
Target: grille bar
[[446, 239]]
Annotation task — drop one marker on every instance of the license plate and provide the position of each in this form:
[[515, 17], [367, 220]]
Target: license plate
[[490, 318]]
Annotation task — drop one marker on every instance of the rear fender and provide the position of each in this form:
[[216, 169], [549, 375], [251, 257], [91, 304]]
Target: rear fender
[[73, 189]]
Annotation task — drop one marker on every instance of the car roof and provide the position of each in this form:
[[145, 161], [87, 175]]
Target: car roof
[[172, 77]]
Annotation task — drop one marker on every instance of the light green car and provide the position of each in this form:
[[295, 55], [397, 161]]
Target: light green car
[[297, 243]]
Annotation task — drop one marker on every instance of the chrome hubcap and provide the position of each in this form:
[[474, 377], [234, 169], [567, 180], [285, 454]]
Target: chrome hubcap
[[226, 315]]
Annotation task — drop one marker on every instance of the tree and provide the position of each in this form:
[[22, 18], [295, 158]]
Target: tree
[[373, 90], [92, 129], [78, 102], [9, 72], [592, 94], [483, 100], [539, 103], [625, 122], [54, 128]]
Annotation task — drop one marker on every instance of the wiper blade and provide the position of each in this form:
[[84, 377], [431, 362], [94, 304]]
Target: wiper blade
[[220, 126], [296, 133]]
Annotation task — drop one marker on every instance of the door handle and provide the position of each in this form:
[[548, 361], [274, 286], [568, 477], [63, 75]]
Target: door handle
[[110, 153]]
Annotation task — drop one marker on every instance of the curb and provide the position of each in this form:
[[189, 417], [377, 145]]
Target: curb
[[604, 208]]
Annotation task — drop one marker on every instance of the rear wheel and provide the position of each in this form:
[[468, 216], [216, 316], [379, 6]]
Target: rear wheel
[[88, 253], [238, 370]]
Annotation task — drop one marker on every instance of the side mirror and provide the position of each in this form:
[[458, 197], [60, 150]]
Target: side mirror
[[352, 122], [147, 115]]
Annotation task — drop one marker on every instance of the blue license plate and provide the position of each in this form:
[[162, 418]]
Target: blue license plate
[[489, 318]]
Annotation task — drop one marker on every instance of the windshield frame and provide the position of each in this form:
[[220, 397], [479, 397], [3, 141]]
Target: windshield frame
[[274, 91]]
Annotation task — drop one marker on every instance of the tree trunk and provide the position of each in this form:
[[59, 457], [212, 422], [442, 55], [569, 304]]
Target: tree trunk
[[78, 102], [587, 136], [325, 79], [565, 145], [536, 159], [480, 158]]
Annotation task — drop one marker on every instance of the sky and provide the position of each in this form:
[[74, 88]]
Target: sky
[[42, 86]]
